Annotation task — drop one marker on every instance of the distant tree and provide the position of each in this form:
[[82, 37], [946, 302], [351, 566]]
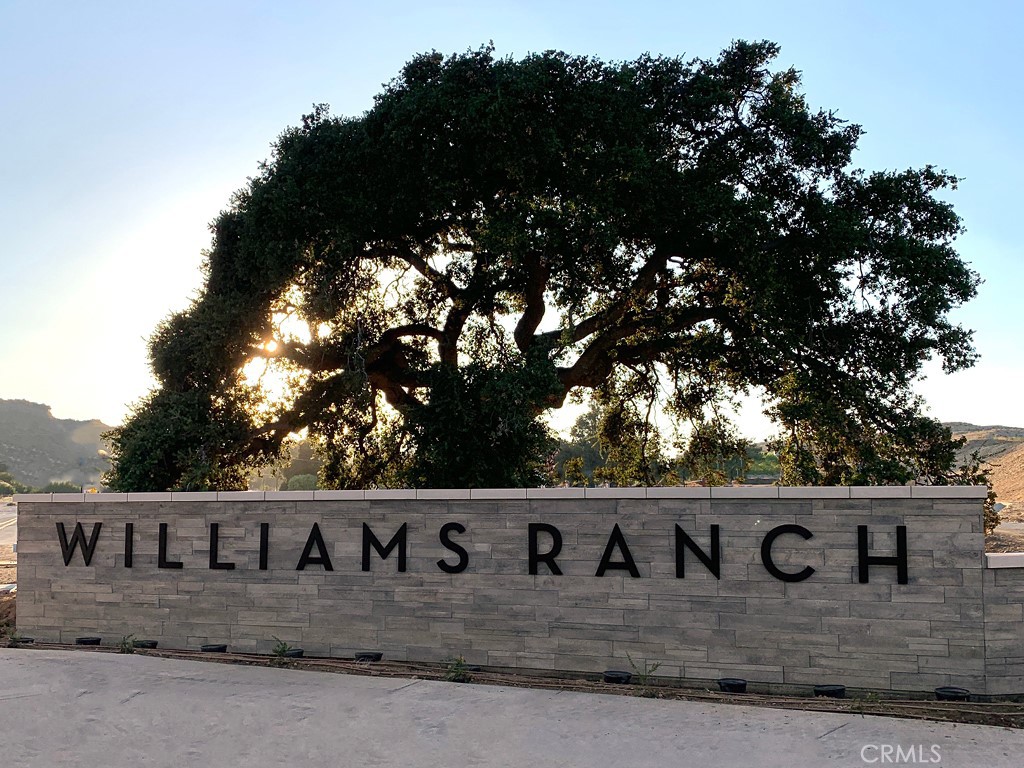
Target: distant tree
[[301, 483], [715, 454], [9, 485], [302, 461], [61, 486], [762, 463], [494, 236], [577, 458]]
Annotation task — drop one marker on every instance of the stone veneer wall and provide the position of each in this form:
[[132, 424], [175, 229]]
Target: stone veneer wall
[[954, 623]]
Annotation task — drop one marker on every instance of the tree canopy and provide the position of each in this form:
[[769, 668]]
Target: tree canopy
[[495, 236]]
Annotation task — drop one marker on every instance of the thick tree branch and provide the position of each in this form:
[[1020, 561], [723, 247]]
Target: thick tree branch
[[538, 272], [642, 285], [596, 362], [464, 301], [419, 262]]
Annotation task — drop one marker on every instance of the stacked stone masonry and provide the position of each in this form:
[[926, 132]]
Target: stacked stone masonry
[[954, 622]]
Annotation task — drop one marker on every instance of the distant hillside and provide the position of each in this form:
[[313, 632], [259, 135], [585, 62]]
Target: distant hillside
[[1003, 448], [989, 441], [38, 449]]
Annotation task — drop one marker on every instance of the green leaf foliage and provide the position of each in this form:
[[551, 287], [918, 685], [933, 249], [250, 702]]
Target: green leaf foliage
[[301, 483], [493, 236]]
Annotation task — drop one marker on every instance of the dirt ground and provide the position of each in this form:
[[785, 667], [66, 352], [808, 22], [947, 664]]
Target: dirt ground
[[6, 616], [1007, 538]]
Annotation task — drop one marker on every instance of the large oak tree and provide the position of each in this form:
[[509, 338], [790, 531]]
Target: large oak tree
[[495, 236]]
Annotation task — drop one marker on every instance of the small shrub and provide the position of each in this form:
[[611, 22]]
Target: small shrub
[[280, 652], [126, 645], [643, 674], [282, 648], [456, 670], [13, 640]]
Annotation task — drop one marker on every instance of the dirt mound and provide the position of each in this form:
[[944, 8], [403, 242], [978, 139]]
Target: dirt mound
[[1008, 477]]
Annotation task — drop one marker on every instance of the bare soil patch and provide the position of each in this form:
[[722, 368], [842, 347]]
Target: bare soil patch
[[1002, 540], [7, 616], [1008, 477]]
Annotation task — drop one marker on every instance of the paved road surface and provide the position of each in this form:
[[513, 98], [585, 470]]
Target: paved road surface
[[61, 708], [8, 524]]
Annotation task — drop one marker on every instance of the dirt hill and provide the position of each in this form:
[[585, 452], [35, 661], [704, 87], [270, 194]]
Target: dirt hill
[[38, 448], [1003, 448], [1008, 477]]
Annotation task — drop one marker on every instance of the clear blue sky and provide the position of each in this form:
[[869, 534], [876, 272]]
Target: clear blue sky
[[126, 126]]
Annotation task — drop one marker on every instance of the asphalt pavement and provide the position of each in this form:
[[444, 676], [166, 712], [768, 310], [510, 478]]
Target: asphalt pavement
[[8, 524], [64, 708]]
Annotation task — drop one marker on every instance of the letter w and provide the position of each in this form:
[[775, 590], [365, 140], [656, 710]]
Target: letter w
[[78, 539]]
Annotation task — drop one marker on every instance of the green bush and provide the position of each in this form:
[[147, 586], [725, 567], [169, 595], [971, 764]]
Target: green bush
[[301, 483]]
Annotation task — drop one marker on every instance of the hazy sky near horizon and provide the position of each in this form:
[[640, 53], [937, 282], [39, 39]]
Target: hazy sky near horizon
[[127, 126]]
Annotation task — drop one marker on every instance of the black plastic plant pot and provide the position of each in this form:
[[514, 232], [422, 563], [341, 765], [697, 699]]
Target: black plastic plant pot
[[830, 691], [145, 644], [472, 668], [617, 676], [369, 656], [213, 648], [732, 685], [24, 640], [293, 653], [87, 641], [952, 693]]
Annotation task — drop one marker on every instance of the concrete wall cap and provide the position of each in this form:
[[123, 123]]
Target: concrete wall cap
[[745, 492], [426, 494], [241, 495], [498, 493], [880, 491], [948, 491], [32, 497], [615, 493], [389, 494], [461, 494], [289, 496], [679, 492], [1004, 559], [194, 496], [814, 492], [339, 495], [555, 493], [151, 496]]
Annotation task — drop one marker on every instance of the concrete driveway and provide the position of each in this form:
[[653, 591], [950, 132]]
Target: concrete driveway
[[60, 708]]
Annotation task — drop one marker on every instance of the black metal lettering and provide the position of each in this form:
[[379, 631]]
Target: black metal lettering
[[766, 552], [548, 558], [264, 545], [712, 560], [445, 536], [161, 555], [398, 540], [316, 539], [78, 540], [129, 544], [865, 561], [617, 540], [215, 563]]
